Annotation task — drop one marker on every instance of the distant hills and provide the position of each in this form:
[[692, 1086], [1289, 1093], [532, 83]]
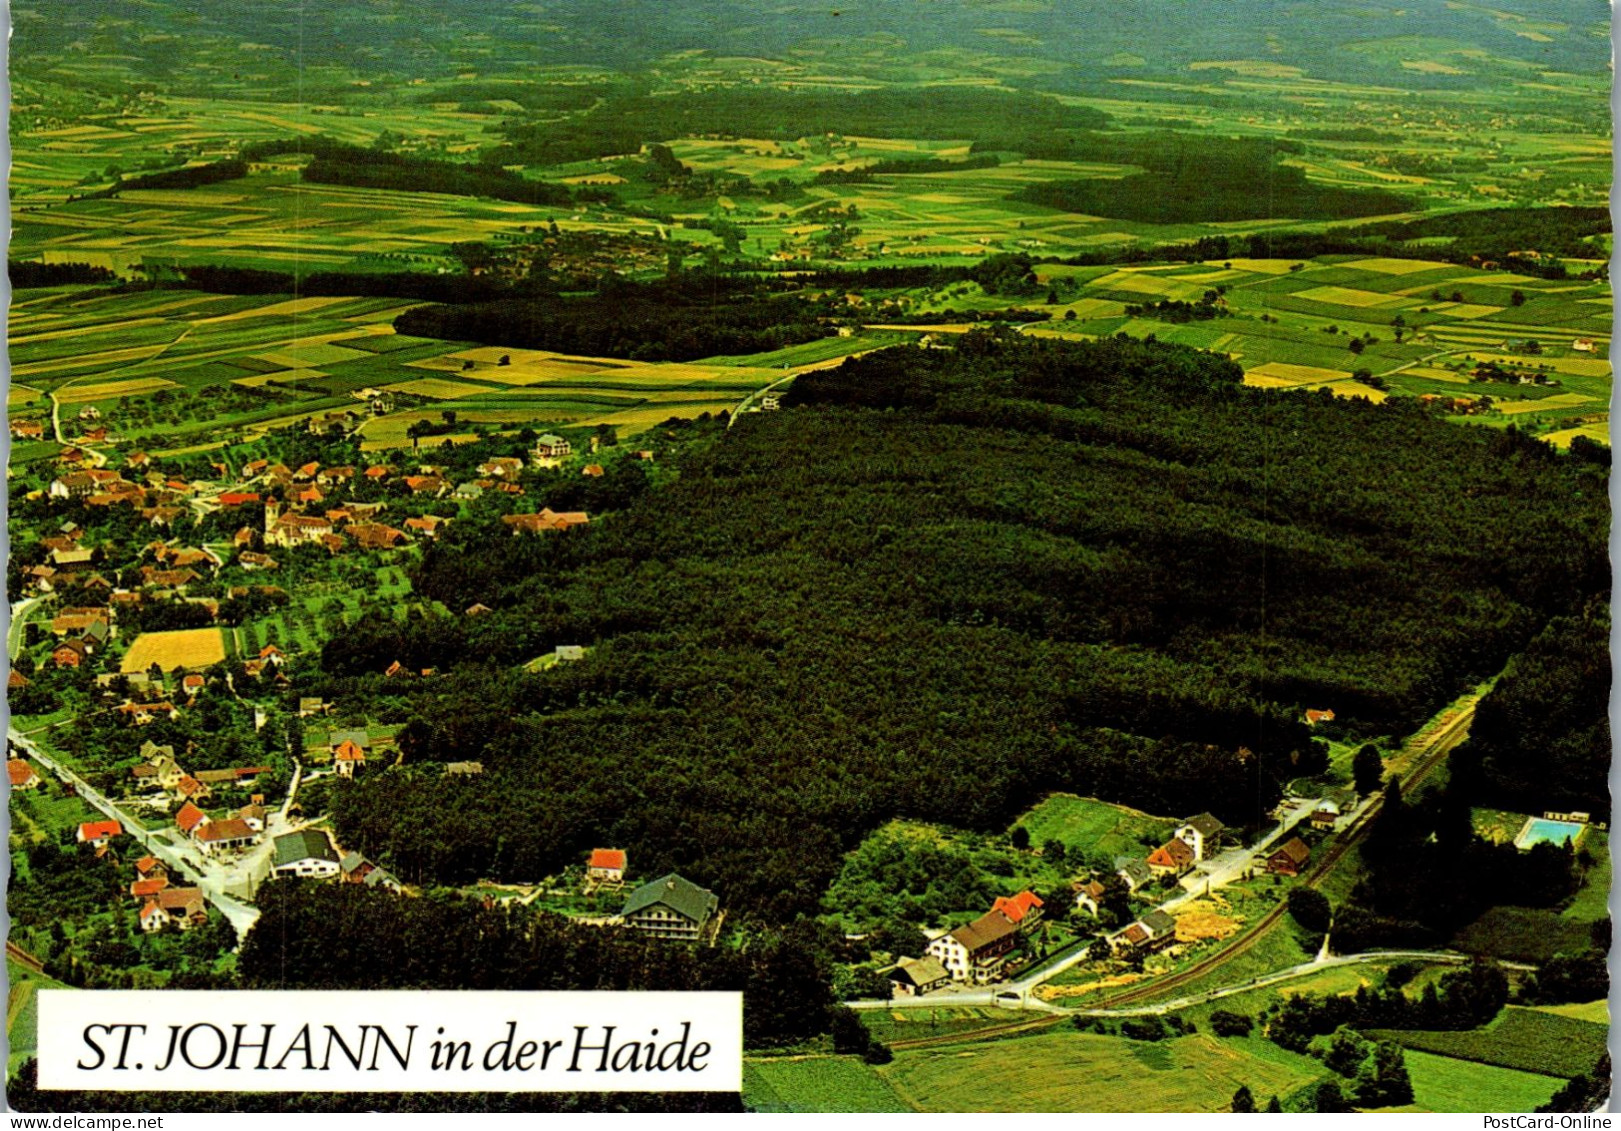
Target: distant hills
[[1043, 44]]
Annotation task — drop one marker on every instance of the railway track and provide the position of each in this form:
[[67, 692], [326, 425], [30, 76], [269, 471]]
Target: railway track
[[1444, 740], [1024, 1024], [22, 958]]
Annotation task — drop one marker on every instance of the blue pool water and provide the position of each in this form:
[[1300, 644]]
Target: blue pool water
[[1540, 830]]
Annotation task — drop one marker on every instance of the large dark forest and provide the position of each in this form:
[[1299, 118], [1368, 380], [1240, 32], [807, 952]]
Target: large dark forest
[[942, 582]]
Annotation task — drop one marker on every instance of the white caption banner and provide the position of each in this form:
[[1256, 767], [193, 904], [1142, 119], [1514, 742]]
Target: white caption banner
[[390, 1041]]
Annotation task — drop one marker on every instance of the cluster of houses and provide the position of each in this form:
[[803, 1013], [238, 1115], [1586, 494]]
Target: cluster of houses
[[161, 905], [158, 766], [975, 952]]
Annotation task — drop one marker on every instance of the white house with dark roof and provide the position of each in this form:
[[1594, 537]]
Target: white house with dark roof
[[308, 853], [1200, 834], [670, 907]]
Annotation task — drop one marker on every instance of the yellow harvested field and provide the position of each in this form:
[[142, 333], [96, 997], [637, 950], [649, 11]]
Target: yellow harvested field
[[1563, 400], [935, 328], [1355, 389], [287, 309], [1279, 374], [19, 395], [1597, 432], [192, 648], [1350, 296], [1202, 920], [110, 390], [438, 388], [1257, 266], [1396, 266], [1047, 992], [631, 421]]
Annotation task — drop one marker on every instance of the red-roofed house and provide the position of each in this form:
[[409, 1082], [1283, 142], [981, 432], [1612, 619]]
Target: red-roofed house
[[1171, 858], [190, 819], [220, 836], [22, 774], [145, 889], [1022, 910], [347, 757], [99, 833], [183, 907], [1315, 717], [607, 865]]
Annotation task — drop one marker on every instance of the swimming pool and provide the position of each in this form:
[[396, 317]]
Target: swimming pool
[[1539, 830]]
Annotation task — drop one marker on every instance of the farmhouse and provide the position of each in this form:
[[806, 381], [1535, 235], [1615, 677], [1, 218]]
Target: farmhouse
[[1289, 859], [306, 853], [356, 869], [69, 654], [1313, 717], [977, 951], [670, 907], [915, 976]]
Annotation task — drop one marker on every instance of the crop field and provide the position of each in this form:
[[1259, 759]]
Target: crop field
[[192, 648], [1528, 1040], [817, 1084], [1084, 824], [1068, 1071], [1443, 1084]]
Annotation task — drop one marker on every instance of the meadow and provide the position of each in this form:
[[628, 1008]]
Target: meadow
[[1443, 1084]]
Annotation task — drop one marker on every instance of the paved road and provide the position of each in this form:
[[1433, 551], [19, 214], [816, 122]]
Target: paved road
[[19, 618]]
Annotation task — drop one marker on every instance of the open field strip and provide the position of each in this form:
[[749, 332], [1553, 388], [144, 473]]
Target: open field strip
[[1350, 296], [112, 390], [1354, 389], [1563, 400], [1599, 433], [1282, 375], [194, 649], [105, 358]]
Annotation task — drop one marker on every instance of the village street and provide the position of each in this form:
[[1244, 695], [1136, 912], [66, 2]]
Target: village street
[[213, 879]]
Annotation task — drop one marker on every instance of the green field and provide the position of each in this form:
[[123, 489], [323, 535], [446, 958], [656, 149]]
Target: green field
[[1441, 1083], [817, 1084], [1068, 1071], [1529, 1040], [1091, 826]]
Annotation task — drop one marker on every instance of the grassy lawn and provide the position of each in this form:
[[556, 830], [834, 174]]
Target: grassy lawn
[[817, 1084], [1069, 1071], [1094, 827], [1441, 1083], [1592, 901]]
